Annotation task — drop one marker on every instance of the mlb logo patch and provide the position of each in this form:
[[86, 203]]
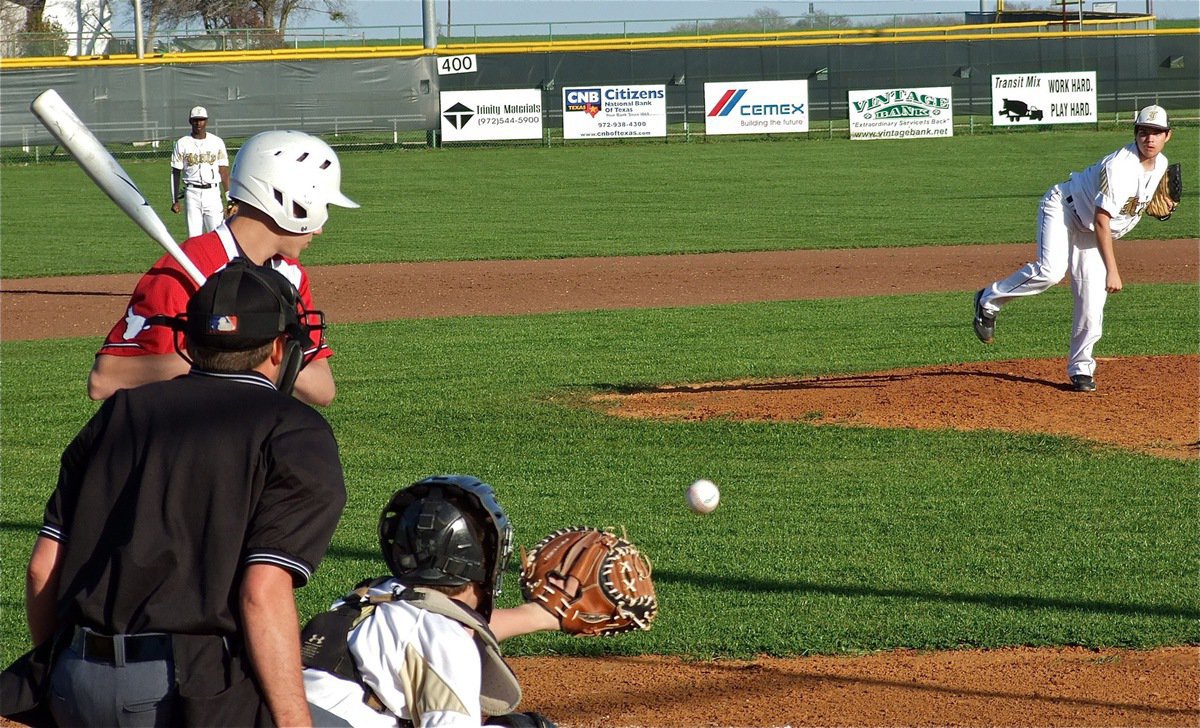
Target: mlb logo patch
[[223, 324]]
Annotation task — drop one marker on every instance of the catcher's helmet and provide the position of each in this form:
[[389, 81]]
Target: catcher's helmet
[[447, 530], [291, 176]]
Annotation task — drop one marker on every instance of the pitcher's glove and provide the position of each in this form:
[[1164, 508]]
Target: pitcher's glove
[[231, 209], [1168, 193], [595, 582]]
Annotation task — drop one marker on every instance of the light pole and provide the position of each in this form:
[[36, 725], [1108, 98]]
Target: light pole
[[137, 28]]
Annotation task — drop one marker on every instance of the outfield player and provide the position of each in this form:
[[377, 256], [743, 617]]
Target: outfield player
[[1078, 221], [199, 171], [186, 513], [283, 182]]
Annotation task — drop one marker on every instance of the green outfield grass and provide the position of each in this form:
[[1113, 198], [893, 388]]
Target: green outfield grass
[[828, 539], [623, 199]]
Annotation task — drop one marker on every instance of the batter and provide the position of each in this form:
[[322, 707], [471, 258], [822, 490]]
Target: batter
[[1078, 220], [284, 182]]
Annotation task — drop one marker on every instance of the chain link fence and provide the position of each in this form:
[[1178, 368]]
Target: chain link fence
[[188, 39], [682, 128]]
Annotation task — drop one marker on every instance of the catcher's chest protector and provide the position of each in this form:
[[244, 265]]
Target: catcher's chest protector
[[324, 641]]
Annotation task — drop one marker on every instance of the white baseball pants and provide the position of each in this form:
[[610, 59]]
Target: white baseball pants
[[1062, 244], [204, 209]]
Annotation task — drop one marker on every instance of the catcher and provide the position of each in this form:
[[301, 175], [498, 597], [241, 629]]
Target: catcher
[[1078, 222], [415, 648], [420, 647]]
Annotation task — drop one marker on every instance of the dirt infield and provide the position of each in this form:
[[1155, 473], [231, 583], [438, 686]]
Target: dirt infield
[[1154, 399], [1146, 403], [39, 308], [1012, 687]]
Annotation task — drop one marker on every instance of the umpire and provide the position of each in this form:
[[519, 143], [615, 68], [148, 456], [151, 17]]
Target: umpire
[[185, 514]]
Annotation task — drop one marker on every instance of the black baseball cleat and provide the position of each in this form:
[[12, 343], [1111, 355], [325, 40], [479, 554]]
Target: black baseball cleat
[[1083, 383], [985, 323]]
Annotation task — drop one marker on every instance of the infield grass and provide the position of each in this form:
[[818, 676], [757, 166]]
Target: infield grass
[[615, 199], [828, 539]]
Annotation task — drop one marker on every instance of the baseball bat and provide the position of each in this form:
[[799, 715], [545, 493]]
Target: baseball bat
[[74, 136]]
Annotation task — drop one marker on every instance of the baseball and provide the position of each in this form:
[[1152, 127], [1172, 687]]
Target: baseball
[[703, 496]]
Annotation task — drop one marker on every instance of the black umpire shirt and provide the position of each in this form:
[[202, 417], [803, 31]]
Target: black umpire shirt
[[172, 489]]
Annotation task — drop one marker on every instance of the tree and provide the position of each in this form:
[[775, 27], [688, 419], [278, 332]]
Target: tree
[[821, 20], [762, 20], [267, 19], [35, 10], [44, 38]]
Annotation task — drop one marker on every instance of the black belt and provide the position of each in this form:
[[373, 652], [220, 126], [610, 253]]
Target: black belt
[[138, 647], [200, 187]]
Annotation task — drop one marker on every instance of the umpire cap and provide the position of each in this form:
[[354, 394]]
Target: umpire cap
[[241, 307]]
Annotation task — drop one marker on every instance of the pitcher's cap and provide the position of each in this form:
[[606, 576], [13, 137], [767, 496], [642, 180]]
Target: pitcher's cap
[[1154, 117], [198, 112]]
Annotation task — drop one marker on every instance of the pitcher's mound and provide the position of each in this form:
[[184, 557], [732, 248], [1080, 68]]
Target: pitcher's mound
[[1145, 403]]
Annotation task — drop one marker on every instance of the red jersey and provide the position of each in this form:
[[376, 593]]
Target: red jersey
[[166, 288]]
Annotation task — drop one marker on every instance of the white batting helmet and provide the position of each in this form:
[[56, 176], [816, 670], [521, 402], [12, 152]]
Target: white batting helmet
[[291, 176]]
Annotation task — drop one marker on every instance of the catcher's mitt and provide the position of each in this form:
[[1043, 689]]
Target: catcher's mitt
[[1168, 193], [595, 582]]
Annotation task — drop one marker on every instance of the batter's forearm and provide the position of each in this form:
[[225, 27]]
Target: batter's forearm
[[110, 373], [315, 384]]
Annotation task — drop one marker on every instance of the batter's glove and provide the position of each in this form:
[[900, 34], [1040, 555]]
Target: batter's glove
[[595, 582], [1168, 194]]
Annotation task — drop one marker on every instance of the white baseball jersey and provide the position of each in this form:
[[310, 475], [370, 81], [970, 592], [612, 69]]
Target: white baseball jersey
[[1118, 185], [422, 666], [198, 159]]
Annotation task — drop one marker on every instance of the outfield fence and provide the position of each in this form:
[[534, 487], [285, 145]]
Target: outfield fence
[[389, 97], [359, 137]]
